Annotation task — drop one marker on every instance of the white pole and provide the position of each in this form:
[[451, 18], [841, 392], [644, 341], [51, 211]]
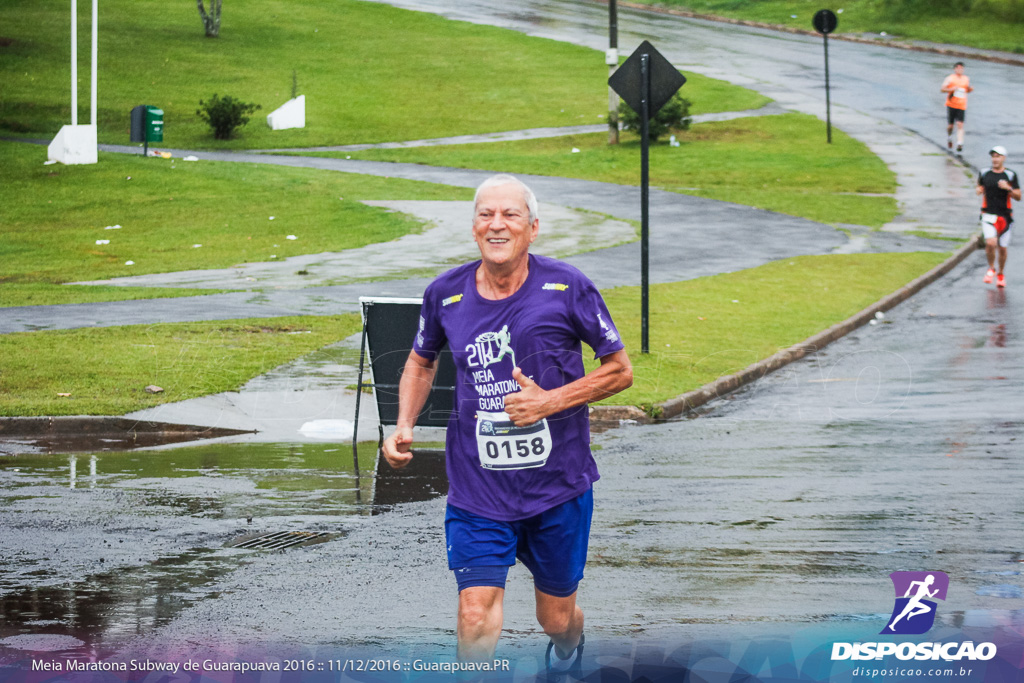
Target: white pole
[[95, 52], [74, 62]]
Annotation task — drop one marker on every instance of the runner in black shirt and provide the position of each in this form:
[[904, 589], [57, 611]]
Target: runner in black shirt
[[998, 186]]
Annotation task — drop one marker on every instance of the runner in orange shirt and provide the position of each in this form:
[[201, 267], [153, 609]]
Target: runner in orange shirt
[[956, 86]]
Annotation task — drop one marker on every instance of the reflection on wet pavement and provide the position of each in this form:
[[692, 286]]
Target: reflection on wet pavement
[[109, 607], [424, 478], [228, 493]]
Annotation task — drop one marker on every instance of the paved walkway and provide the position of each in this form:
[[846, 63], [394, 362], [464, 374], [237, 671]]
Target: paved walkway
[[514, 135], [691, 237]]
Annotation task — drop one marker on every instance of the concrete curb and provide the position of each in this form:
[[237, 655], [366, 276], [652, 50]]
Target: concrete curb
[[951, 52], [687, 402]]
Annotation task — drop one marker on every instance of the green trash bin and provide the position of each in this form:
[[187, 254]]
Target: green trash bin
[[154, 124]]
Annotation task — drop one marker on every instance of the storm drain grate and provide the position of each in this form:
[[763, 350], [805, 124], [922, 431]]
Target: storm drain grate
[[281, 539]]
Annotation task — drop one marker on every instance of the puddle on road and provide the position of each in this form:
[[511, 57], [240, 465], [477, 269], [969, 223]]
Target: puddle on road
[[110, 607], [49, 435], [282, 486]]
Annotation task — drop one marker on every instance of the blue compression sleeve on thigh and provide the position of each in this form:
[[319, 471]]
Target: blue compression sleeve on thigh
[[467, 577]]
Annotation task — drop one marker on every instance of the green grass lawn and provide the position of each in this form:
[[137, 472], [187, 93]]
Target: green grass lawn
[[105, 370], [369, 72], [710, 327], [978, 28], [772, 162], [52, 217]]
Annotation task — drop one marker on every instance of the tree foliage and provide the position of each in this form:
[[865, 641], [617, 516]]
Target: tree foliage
[[225, 114], [674, 116], [211, 19]]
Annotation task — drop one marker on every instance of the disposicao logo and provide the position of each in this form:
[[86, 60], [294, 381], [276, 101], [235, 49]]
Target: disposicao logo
[[913, 614], [914, 611]]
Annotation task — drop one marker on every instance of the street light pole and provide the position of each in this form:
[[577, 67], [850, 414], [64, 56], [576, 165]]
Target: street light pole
[[95, 51], [612, 60], [74, 62]]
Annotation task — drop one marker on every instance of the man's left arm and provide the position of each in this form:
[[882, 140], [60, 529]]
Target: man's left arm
[[532, 403]]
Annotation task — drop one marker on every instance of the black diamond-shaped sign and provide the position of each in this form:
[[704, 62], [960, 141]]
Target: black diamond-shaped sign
[[665, 80]]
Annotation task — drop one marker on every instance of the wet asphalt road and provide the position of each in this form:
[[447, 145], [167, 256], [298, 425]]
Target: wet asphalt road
[[789, 502]]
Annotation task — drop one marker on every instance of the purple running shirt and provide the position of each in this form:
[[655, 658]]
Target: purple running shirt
[[495, 469]]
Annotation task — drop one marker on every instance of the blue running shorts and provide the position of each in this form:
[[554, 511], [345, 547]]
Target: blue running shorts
[[552, 545]]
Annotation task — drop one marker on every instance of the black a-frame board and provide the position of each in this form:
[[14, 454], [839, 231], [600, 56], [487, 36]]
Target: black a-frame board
[[389, 328]]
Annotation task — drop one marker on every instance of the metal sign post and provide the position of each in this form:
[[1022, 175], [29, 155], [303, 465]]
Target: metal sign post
[[646, 82], [645, 196], [825, 22]]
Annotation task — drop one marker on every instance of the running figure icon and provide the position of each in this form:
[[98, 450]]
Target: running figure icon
[[914, 606], [504, 340]]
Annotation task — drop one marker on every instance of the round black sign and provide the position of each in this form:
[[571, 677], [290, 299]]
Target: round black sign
[[825, 21]]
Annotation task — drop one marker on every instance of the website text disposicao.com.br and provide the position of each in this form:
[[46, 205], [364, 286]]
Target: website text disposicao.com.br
[[903, 673], [953, 656]]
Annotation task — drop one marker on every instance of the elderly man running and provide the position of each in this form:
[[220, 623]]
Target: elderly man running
[[517, 452]]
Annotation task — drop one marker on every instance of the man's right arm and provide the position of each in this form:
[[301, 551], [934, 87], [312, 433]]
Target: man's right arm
[[413, 390]]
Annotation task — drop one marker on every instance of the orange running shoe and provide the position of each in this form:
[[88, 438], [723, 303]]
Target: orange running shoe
[[989, 275], [1000, 280]]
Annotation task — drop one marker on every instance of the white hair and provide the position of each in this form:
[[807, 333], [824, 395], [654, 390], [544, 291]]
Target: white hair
[[505, 179]]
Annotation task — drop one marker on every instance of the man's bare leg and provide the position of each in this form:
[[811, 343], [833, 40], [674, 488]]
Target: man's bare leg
[[562, 621], [479, 625]]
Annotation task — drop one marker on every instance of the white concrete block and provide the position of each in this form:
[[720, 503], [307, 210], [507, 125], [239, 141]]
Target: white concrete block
[[291, 114], [74, 145]]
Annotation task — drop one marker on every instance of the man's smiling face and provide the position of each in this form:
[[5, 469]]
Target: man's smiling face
[[502, 227]]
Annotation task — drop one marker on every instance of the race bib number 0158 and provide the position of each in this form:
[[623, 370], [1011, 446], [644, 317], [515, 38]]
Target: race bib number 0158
[[501, 445]]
